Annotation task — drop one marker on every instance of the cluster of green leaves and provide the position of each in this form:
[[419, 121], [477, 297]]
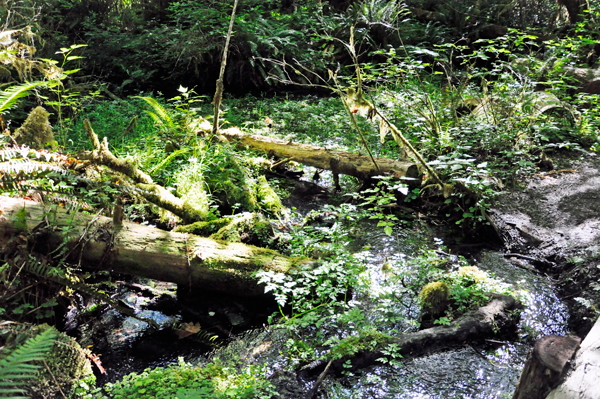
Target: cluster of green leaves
[[314, 301], [17, 364], [339, 307], [184, 39], [182, 380]]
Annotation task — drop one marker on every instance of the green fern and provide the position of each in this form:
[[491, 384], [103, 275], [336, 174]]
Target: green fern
[[160, 114], [10, 96], [16, 367]]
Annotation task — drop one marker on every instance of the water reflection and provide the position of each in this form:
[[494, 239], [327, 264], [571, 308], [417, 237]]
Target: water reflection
[[463, 373], [490, 371]]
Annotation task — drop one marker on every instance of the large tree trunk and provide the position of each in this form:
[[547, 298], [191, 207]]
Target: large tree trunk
[[544, 366], [583, 382], [339, 162], [191, 261]]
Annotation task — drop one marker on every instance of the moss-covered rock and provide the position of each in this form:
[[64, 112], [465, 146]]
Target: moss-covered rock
[[434, 298], [69, 365], [36, 131]]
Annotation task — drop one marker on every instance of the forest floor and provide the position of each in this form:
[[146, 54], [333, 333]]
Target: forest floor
[[555, 222]]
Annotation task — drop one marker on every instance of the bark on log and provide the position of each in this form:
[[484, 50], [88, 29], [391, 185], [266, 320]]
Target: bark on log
[[191, 261], [339, 162], [583, 382], [582, 75], [489, 320], [544, 366]]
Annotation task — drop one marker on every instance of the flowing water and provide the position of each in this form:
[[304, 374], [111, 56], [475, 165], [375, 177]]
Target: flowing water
[[485, 371], [488, 370]]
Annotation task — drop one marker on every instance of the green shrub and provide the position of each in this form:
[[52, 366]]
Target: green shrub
[[212, 381]]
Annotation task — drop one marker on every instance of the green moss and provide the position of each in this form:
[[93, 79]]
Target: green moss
[[434, 298], [36, 131], [69, 365], [267, 196], [231, 183], [473, 273], [204, 229], [249, 228]]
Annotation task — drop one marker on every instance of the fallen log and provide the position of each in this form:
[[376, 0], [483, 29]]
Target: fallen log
[[196, 262], [544, 365], [153, 193], [490, 320], [583, 381], [339, 162]]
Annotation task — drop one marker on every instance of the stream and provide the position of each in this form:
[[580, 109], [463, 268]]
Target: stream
[[488, 369]]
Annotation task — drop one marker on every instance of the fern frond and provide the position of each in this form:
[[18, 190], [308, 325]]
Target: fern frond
[[37, 268], [156, 119], [10, 96], [160, 113], [168, 159], [71, 203], [8, 153], [15, 368], [27, 166]]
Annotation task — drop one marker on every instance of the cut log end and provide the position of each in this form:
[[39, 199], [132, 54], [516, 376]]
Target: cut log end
[[544, 366]]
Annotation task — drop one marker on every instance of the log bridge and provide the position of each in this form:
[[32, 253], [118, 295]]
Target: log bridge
[[338, 162], [188, 260]]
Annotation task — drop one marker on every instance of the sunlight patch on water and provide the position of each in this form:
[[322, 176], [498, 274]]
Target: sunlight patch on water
[[463, 373], [544, 313]]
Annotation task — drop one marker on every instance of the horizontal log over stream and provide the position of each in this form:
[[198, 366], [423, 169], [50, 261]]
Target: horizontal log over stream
[[339, 162], [490, 320], [188, 260]]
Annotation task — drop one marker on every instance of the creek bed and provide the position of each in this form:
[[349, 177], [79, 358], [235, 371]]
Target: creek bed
[[483, 370]]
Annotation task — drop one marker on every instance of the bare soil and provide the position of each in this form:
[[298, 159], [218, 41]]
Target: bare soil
[[554, 224]]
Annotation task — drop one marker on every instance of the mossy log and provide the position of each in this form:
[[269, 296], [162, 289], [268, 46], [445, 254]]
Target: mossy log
[[153, 193], [488, 321], [191, 261], [339, 162]]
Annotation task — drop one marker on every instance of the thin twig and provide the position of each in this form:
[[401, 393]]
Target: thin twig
[[54, 379], [404, 141], [282, 162], [219, 91], [315, 387]]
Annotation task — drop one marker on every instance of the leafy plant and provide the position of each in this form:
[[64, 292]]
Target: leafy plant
[[16, 366], [182, 380], [65, 97], [10, 97]]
